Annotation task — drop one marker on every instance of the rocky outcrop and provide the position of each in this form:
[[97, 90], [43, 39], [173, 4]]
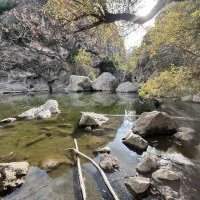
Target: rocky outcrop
[[155, 123], [44, 111], [79, 84], [135, 141], [90, 119], [37, 51], [127, 87], [138, 185], [149, 66], [12, 175], [108, 162], [105, 82]]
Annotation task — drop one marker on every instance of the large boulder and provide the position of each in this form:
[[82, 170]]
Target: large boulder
[[105, 82], [127, 87], [155, 123], [12, 175], [185, 136], [79, 84], [91, 119], [164, 175], [44, 111], [135, 141], [108, 162], [138, 185], [148, 163]]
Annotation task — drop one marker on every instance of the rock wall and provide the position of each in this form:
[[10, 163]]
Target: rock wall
[[36, 51]]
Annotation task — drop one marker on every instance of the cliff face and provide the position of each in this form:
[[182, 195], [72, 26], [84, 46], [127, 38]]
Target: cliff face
[[174, 41], [37, 51]]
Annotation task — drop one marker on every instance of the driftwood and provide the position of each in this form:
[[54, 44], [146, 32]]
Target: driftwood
[[80, 174], [115, 197], [36, 140]]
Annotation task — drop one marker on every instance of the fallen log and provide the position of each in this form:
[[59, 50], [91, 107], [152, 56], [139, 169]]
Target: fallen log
[[80, 174], [106, 181]]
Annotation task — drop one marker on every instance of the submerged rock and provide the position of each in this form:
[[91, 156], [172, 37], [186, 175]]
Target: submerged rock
[[91, 119], [53, 163], [44, 111], [155, 123], [127, 87], [12, 175], [185, 136], [79, 84], [148, 164], [108, 162], [138, 185], [135, 141], [163, 175], [105, 82], [103, 150]]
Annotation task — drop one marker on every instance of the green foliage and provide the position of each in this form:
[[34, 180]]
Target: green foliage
[[171, 83], [83, 57], [178, 26], [6, 5]]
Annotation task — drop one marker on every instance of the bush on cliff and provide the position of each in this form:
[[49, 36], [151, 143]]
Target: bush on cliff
[[174, 82]]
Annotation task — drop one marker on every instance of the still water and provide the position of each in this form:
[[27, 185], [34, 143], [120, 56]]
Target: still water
[[62, 183]]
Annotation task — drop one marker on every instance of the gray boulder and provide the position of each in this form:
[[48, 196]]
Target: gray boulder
[[91, 119], [155, 123], [164, 175], [148, 164], [127, 87], [108, 162], [196, 98], [185, 136], [105, 82], [79, 84], [187, 98], [12, 175], [135, 141], [44, 111], [138, 185]]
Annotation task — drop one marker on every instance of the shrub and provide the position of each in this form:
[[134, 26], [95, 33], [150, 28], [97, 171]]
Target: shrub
[[171, 83]]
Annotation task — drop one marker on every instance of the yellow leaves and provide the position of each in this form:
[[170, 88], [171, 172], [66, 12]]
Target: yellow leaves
[[175, 27], [172, 83]]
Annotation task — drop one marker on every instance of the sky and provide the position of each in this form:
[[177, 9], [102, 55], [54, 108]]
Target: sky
[[135, 38]]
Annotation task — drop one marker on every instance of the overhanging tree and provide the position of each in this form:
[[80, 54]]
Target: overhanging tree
[[97, 12]]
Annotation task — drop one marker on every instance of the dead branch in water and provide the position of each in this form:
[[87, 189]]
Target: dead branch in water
[[115, 197], [80, 174]]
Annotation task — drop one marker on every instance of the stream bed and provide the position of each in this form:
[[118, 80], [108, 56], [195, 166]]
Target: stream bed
[[62, 183]]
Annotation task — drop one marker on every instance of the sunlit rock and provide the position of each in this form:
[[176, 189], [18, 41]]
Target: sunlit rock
[[12, 175]]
